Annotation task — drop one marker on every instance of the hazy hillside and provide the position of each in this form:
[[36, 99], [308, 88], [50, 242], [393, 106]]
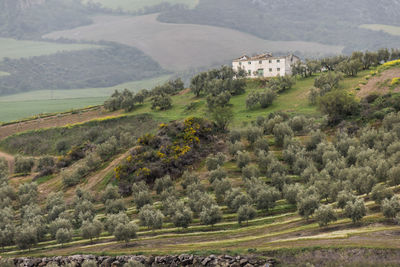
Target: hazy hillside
[[334, 22], [31, 18]]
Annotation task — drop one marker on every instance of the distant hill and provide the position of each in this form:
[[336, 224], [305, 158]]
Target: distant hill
[[334, 22], [32, 18]]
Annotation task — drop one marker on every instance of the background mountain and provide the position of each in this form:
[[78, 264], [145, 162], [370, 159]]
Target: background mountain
[[334, 22]]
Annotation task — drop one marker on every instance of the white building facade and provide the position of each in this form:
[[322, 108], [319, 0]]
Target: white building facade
[[265, 65]]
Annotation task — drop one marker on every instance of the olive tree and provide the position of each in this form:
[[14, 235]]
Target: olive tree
[[125, 232], [325, 214], [151, 217], [355, 210], [246, 213], [210, 215]]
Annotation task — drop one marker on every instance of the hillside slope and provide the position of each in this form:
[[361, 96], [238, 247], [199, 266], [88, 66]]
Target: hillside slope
[[334, 23]]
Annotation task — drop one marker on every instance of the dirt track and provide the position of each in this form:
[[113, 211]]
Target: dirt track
[[54, 121], [10, 159]]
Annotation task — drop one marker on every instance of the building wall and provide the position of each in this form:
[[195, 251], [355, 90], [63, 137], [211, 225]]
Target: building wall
[[266, 67]]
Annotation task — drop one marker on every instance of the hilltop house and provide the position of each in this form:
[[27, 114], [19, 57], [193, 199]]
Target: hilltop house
[[265, 65]]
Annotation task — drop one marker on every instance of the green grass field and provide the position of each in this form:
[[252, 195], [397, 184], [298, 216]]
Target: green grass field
[[137, 5], [25, 105], [11, 48], [84, 92], [15, 110], [393, 30]]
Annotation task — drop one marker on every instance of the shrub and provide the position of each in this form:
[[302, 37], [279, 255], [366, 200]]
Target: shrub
[[217, 174], [162, 184], [281, 131], [115, 206], [252, 100], [250, 171], [213, 162], [262, 144], [23, 165], [266, 98], [338, 105], [161, 102], [234, 148], [243, 159], [252, 134], [234, 136], [189, 178]]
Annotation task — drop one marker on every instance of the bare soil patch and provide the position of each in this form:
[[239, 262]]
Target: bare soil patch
[[380, 84]]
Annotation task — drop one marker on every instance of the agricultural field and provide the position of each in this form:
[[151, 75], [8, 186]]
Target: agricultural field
[[393, 30], [11, 48], [49, 101], [179, 47], [16, 110], [139, 5]]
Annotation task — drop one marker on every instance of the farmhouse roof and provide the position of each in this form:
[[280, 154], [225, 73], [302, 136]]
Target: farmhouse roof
[[261, 57]]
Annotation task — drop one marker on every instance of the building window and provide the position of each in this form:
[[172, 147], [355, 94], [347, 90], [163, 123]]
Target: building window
[[240, 63], [278, 61], [270, 61], [260, 73], [260, 62], [278, 69], [270, 70], [249, 62], [249, 72]]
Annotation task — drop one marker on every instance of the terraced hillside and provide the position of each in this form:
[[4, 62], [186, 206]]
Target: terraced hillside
[[284, 182]]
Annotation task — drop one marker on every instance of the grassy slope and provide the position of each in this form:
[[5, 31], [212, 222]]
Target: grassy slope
[[393, 30], [293, 101], [138, 5], [12, 48]]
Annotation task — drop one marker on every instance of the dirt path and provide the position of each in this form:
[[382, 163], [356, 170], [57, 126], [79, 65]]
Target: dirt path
[[54, 121], [10, 159]]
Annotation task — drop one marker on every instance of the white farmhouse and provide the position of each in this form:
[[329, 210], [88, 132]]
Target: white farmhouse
[[265, 65]]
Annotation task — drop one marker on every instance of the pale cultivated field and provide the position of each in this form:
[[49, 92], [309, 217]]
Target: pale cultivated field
[[137, 5], [393, 30], [178, 47]]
